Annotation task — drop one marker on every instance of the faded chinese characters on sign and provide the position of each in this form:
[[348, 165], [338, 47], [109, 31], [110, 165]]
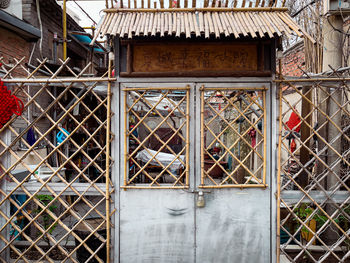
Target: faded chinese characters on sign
[[168, 58]]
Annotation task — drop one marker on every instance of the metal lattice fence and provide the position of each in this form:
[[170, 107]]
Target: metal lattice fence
[[314, 171], [55, 159]]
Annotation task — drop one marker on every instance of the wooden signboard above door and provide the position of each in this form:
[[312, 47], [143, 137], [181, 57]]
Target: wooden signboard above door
[[194, 59]]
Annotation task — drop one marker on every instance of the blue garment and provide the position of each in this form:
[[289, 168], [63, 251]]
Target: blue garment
[[31, 137]]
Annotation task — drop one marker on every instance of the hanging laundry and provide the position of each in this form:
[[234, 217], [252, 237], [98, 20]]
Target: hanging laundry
[[31, 136], [294, 122]]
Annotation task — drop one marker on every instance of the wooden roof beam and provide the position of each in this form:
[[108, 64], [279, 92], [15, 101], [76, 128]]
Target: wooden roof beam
[[206, 9]]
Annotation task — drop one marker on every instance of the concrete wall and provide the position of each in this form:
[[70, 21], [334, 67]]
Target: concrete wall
[[15, 8]]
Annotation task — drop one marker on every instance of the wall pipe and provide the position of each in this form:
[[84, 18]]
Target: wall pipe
[[64, 17]]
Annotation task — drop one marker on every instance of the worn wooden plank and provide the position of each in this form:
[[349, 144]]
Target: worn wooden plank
[[305, 132], [194, 57], [202, 74]]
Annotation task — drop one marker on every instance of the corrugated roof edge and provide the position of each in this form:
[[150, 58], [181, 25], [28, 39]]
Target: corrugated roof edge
[[281, 13]]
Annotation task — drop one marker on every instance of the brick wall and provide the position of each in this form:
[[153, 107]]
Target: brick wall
[[51, 18], [13, 46], [293, 58]]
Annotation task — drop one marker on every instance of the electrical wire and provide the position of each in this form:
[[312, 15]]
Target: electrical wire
[[303, 8], [82, 9]]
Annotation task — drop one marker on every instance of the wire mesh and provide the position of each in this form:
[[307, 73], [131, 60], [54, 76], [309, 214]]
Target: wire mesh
[[314, 179], [233, 137], [53, 167]]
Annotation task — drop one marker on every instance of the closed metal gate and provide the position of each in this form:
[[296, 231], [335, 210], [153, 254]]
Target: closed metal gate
[[191, 155]]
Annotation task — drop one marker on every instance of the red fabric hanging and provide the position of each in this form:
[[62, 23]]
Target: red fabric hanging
[[9, 105], [294, 122], [293, 146], [252, 134]]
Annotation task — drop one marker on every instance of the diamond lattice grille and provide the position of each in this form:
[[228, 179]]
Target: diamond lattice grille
[[53, 196], [314, 171], [233, 137], [157, 137]]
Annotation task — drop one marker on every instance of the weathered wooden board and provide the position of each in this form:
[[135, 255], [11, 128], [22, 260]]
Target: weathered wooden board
[[194, 58]]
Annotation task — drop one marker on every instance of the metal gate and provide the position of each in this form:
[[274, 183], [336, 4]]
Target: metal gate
[[55, 159], [314, 173], [191, 155]]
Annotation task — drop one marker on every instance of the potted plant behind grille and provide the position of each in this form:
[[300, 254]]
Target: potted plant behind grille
[[314, 223]]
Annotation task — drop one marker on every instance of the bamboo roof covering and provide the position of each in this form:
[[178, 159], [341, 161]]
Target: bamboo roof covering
[[260, 22]]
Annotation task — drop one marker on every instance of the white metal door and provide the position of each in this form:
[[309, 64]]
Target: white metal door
[[233, 172], [162, 222], [156, 215]]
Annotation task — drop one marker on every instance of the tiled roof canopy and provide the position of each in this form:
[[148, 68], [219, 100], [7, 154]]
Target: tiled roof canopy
[[200, 22]]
